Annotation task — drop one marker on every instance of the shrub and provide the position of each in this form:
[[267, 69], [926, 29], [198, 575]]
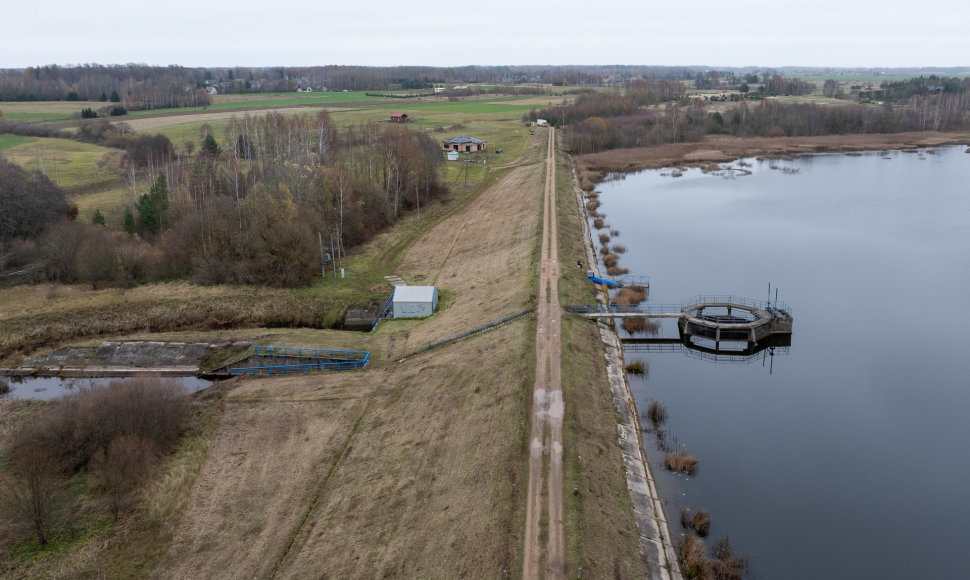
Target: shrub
[[681, 461], [118, 470], [631, 295], [657, 413], [592, 204], [604, 238], [79, 425], [118, 111], [89, 113], [637, 367], [610, 260], [701, 523], [619, 249], [598, 223], [635, 325], [4, 386], [614, 233], [693, 557], [728, 565], [617, 271], [35, 492]]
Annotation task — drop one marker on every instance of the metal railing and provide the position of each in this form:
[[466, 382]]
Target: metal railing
[[296, 369], [726, 300], [383, 313], [316, 353], [322, 359], [476, 330], [735, 301], [624, 308]]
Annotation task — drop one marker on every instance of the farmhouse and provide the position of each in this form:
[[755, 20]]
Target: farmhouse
[[399, 118], [463, 144], [414, 301]]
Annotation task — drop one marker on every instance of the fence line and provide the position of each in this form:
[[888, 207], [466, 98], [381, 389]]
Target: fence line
[[476, 330]]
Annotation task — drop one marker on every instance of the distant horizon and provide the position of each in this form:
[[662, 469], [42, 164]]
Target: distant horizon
[[838, 34], [956, 68]]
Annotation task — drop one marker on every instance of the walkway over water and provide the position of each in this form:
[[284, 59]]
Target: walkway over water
[[728, 318]]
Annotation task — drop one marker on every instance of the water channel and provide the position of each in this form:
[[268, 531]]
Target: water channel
[[847, 456], [48, 388]]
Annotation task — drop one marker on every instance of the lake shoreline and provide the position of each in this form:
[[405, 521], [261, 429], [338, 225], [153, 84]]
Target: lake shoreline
[[594, 167]]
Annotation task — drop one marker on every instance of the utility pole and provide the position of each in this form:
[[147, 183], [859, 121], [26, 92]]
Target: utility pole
[[323, 263], [333, 261]]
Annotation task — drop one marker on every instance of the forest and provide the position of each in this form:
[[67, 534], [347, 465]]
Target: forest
[[601, 121], [251, 212]]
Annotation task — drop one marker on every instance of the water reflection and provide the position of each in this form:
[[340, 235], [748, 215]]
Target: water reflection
[[709, 351], [47, 388]]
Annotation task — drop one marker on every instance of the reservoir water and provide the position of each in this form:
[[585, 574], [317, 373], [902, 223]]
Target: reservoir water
[[849, 455]]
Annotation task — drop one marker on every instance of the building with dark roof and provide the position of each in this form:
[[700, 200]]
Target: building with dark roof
[[463, 144]]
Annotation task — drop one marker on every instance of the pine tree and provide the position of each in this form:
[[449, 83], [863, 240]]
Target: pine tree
[[97, 218], [114, 97], [151, 207], [129, 224], [210, 147]]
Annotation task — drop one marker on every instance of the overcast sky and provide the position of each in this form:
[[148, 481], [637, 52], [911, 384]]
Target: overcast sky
[[838, 33]]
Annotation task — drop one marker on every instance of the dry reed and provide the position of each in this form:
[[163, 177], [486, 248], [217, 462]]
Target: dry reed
[[657, 413], [681, 461], [619, 249], [604, 238], [598, 223], [617, 271], [610, 260], [636, 367]]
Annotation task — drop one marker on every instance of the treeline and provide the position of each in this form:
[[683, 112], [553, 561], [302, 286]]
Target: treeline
[[906, 89], [137, 87], [248, 212], [690, 120], [613, 104]]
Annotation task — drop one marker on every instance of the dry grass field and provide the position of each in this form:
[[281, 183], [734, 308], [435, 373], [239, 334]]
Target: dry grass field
[[407, 469]]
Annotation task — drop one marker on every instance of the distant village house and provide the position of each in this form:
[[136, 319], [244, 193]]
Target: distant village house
[[399, 118], [463, 144]]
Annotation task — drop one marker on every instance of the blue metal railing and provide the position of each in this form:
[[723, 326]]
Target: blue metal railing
[[476, 330], [323, 359], [383, 313]]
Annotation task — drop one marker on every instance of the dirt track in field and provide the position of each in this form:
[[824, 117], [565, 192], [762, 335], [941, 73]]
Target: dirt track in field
[[407, 470], [483, 254], [544, 555]]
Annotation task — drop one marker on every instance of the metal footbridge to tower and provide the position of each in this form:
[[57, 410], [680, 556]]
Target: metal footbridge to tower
[[717, 318]]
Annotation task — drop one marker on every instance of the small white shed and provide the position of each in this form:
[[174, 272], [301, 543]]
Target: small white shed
[[414, 301]]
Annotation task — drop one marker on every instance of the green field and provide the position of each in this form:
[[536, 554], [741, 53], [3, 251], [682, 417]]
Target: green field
[[8, 141], [67, 163]]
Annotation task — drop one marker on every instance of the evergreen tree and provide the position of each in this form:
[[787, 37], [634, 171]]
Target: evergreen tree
[[97, 218], [129, 224], [151, 207], [114, 97], [103, 97], [210, 147]]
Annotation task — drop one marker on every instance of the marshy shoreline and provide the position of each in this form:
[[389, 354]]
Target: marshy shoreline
[[593, 167]]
